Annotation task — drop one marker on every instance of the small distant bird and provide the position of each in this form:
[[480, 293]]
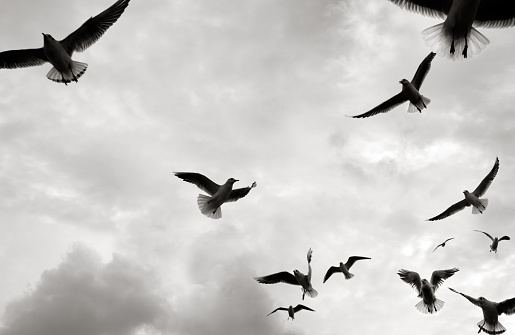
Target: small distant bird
[[344, 268], [478, 205], [495, 241], [219, 194], [456, 32], [443, 243], [297, 278], [291, 310], [59, 53], [491, 311], [410, 92], [426, 289]]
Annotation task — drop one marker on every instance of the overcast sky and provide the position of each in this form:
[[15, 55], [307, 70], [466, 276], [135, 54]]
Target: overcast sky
[[97, 236]]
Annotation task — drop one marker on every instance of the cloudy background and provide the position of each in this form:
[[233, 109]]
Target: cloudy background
[[97, 236]]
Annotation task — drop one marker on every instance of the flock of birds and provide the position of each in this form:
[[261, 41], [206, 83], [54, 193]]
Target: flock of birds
[[455, 38]]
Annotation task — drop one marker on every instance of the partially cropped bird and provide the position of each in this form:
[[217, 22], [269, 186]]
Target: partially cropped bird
[[491, 311], [456, 32], [410, 92], [495, 240], [297, 278], [443, 243], [472, 199], [426, 289], [344, 268], [219, 194], [292, 310], [59, 53]]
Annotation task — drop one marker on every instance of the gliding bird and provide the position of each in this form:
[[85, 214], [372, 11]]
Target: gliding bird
[[344, 268], [495, 241], [291, 310], [443, 243]]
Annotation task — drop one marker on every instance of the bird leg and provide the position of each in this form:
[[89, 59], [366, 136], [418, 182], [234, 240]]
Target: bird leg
[[481, 327], [73, 74], [62, 76], [464, 53], [452, 43]]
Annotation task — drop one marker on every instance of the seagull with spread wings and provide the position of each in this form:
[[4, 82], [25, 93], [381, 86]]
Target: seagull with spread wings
[[410, 92], [443, 243], [59, 53], [426, 289], [491, 311], [292, 310], [344, 268], [219, 194], [478, 205], [495, 241]]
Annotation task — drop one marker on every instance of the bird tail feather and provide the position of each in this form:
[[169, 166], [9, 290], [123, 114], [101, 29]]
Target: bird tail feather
[[348, 276], [484, 204], [430, 308], [311, 292], [78, 69], [421, 104], [206, 208], [488, 328]]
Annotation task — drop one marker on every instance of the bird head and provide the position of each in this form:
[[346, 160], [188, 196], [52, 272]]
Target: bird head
[[404, 82], [232, 181]]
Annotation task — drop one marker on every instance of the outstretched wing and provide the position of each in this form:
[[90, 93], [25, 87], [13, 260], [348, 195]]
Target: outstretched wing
[[240, 193], [353, 259], [299, 307], [280, 277], [432, 8], [451, 210], [439, 276], [331, 270], [507, 307], [487, 181], [385, 107], [422, 71], [504, 238], [479, 231], [469, 298], [202, 182], [412, 278], [13, 59], [277, 309], [495, 14]]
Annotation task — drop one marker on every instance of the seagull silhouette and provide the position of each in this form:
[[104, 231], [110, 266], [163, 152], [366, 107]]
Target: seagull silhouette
[[491, 311], [58, 53], [292, 310], [219, 194], [443, 243], [495, 241], [344, 268], [478, 205], [409, 92]]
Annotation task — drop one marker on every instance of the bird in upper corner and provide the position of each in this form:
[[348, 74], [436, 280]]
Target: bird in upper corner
[[292, 310], [455, 37], [472, 199], [495, 241], [410, 92], [59, 53], [344, 268], [219, 194], [491, 311], [297, 278], [426, 289], [443, 243]]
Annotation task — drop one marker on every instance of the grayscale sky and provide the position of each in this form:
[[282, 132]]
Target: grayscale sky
[[97, 236]]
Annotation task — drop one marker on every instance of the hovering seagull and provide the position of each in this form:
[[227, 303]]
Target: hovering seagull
[[478, 205], [426, 289], [443, 243], [210, 206], [410, 92], [456, 32], [291, 310], [491, 311], [344, 267], [495, 241], [59, 53], [297, 278]]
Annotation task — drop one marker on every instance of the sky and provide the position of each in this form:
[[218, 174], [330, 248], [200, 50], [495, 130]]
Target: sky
[[98, 237]]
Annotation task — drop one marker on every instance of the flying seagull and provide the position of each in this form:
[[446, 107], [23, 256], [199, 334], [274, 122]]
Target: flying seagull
[[344, 268], [456, 32], [410, 92], [495, 241], [478, 205], [297, 278], [443, 243], [59, 53], [491, 311], [210, 205], [292, 310], [426, 289]]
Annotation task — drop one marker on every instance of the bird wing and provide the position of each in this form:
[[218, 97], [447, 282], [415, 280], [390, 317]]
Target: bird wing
[[310, 253], [385, 107], [507, 307], [495, 14], [422, 71], [451, 210], [485, 183], [469, 298], [479, 231], [277, 309], [439, 245], [439, 276], [353, 259], [412, 278], [240, 193], [94, 28], [504, 238], [13, 59], [279, 277], [202, 182], [299, 307], [432, 8], [330, 271]]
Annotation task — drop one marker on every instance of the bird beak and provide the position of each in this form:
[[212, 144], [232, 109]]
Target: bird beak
[[237, 180]]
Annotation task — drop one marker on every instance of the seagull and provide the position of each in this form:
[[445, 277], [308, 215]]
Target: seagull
[[426, 289], [291, 310], [409, 92], [210, 205], [344, 267], [456, 32], [443, 243], [495, 241], [58, 53], [491, 311], [297, 278], [478, 205]]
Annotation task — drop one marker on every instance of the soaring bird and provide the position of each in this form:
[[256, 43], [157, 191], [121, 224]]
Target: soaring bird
[[410, 92], [456, 32], [478, 205], [297, 278], [491, 311], [210, 205], [292, 310], [426, 289], [495, 241], [59, 53], [344, 268], [443, 243]]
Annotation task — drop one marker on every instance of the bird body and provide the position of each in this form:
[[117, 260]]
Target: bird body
[[292, 310], [495, 240], [344, 268]]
